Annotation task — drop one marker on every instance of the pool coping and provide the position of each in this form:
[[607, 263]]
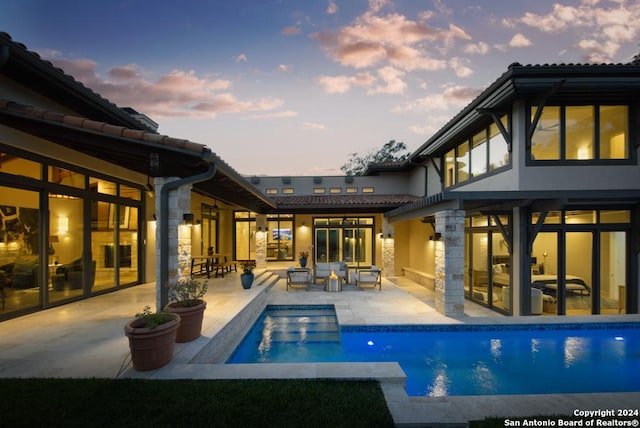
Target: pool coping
[[406, 411]]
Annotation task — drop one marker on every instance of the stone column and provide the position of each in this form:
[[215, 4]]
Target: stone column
[[179, 235], [450, 262], [388, 249], [261, 241]]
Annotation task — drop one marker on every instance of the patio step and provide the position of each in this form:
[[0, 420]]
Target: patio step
[[308, 326], [306, 337]]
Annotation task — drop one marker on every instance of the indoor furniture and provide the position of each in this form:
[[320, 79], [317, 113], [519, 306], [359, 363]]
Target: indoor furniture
[[69, 276]]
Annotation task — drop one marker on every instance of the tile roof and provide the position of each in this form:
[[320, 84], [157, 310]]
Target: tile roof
[[335, 201], [96, 126], [28, 68]]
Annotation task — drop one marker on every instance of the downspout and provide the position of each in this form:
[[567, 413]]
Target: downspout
[[164, 226]]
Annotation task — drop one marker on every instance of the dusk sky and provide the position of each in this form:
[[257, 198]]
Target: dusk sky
[[284, 87]]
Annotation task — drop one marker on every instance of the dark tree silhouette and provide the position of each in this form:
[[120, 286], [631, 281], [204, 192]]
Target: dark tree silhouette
[[390, 152]]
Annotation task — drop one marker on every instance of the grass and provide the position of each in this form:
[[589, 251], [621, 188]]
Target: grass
[[194, 403]]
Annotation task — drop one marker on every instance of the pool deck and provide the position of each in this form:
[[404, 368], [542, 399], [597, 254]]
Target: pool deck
[[86, 339]]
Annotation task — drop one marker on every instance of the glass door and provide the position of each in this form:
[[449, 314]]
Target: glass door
[[327, 245]]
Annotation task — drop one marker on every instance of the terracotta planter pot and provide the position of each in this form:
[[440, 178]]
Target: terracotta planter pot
[[190, 320], [151, 348]]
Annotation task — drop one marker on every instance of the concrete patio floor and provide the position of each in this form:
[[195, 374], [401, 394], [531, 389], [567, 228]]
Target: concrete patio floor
[[86, 339]]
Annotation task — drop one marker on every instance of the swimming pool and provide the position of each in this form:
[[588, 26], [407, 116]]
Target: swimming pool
[[457, 360]]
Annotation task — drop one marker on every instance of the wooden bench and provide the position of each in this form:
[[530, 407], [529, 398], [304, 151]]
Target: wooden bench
[[200, 265], [230, 265]]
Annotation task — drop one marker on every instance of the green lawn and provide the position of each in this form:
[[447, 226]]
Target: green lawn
[[191, 403]]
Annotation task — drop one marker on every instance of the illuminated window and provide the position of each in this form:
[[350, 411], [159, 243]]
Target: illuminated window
[[271, 191], [319, 190], [545, 143], [580, 133], [367, 190]]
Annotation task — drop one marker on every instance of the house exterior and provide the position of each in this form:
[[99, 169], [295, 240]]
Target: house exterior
[[89, 191], [527, 201]]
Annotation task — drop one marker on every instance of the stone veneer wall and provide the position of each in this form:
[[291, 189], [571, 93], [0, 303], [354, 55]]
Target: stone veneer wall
[[449, 252], [179, 234], [419, 277], [388, 249]]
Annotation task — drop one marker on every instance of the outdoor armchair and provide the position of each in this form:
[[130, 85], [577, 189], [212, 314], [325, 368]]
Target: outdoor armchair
[[298, 277], [369, 278]]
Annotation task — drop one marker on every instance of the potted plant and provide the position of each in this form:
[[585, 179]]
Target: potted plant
[[151, 338], [186, 300], [246, 277], [304, 255]]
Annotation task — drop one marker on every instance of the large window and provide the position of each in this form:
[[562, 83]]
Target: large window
[[280, 237], [569, 252], [578, 133], [488, 262], [348, 239], [65, 234], [245, 235], [482, 153]]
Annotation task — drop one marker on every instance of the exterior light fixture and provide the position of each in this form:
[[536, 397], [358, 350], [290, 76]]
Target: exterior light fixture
[[187, 218]]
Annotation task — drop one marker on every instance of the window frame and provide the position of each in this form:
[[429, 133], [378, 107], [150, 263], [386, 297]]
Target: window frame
[[485, 129], [631, 159]]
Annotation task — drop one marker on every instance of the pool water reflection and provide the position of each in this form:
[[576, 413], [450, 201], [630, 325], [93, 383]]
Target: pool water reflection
[[458, 360]]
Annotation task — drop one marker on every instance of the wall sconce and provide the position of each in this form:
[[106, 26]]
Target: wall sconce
[[436, 237], [187, 218], [389, 235], [63, 225], [262, 229]]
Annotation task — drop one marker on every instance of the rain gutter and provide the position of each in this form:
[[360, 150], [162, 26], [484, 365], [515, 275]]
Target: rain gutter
[[164, 222]]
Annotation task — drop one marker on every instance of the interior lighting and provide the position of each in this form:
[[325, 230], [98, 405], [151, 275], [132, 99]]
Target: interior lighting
[[370, 343], [63, 224]]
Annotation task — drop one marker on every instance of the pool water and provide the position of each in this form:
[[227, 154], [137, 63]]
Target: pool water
[[457, 360]]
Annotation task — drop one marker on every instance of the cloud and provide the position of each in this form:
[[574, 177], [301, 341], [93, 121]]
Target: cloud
[[608, 24], [332, 7], [480, 48], [459, 67], [275, 115], [127, 72], [313, 126], [373, 40], [519, 41], [393, 84], [452, 97], [342, 84], [176, 94], [241, 58], [291, 31]]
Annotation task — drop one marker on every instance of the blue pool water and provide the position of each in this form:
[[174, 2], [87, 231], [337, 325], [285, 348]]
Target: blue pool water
[[457, 360]]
